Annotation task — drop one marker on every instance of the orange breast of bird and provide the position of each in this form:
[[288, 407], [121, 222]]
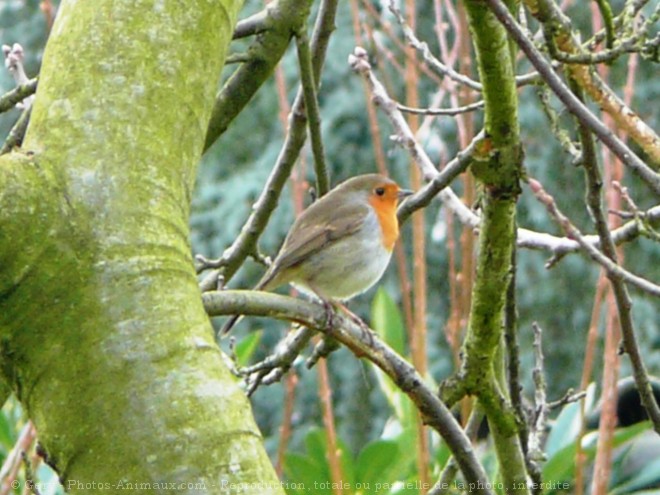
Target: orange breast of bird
[[385, 208]]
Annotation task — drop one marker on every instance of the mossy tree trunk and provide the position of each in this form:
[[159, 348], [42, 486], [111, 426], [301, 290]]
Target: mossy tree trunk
[[103, 336], [498, 168]]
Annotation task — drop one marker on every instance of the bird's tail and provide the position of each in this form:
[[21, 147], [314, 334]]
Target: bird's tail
[[263, 284], [229, 324]]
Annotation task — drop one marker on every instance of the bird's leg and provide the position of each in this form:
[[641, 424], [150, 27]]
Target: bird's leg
[[366, 330], [355, 318], [328, 344], [325, 301], [329, 313], [330, 306]]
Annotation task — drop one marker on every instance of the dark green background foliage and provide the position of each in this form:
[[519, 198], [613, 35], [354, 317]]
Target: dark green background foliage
[[234, 170]]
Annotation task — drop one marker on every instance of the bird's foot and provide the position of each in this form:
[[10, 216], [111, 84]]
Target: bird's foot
[[329, 313]]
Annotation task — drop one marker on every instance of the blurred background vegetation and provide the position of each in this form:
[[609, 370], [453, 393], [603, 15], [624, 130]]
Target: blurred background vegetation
[[234, 170]]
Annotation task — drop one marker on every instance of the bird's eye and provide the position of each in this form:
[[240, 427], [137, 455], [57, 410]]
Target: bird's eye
[[379, 191]]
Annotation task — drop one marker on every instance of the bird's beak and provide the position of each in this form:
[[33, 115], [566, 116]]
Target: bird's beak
[[404, 193]]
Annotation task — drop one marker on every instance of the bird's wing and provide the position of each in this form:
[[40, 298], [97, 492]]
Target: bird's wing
[[312, 233]]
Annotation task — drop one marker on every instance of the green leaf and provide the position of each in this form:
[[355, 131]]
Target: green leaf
[[377, 462], [7, 433], [386, 320], [648, 476], [246, 347], [442, 455], [316, 445], [623, 435], [566, 428], [561, 466], [301, 469], [637, 464]]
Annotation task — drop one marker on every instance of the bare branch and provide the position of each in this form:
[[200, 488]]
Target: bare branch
[[272, 368], [573, 104], [561, 246], [18, 94], [255, 24], [364, 343], [282, 18], [436, 66], [443, 111], [440, 181], [309, 85], [569, 397], [574, 233], [17, 133], [538, 424]]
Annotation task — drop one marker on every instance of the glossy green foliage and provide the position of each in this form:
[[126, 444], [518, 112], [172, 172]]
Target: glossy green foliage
[[635, 457], [377, 469]]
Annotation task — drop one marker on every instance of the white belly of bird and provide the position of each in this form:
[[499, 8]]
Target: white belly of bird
[[351, 266]]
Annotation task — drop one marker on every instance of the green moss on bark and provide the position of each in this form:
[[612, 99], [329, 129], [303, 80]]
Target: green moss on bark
[[499, 175], [103, 334]]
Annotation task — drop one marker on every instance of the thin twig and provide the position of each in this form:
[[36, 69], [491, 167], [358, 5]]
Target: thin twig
[[309, 86], [513, 370], [561, 246], [417, 334], [441, 180], [606, 11], [629, 45], [443, 111], [537, 429], [569, 397], [17, 133], [322, 349], [255, 24], [444, 484], [18, 94], [332, 449], [574, 233], [561, 134], [438, 67], [386, 28], [573, 104], [9, 470], [281, 359]]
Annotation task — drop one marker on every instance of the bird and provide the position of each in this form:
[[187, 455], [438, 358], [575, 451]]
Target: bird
[[340, 246]]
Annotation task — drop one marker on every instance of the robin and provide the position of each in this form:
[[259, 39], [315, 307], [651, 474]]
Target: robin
[[341, 245]]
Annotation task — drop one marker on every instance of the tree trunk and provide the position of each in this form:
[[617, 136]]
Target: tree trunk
[[103, 336]]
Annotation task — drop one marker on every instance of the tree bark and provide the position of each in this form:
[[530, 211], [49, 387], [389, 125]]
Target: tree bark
[[103, 336]]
